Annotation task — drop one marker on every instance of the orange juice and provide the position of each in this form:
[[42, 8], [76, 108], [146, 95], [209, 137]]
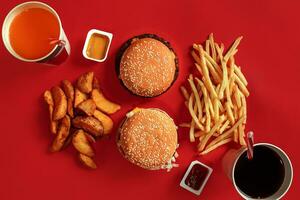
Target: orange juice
[[32, 33]]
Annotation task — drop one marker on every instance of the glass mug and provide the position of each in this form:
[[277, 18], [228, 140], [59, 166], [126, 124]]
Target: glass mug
[[268, 176], [59, 50]]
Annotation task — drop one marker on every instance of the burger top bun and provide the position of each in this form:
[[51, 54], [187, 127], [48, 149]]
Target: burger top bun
[[147, 67], [148, 138]]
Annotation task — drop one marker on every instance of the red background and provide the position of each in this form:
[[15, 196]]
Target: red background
[[268, 55]]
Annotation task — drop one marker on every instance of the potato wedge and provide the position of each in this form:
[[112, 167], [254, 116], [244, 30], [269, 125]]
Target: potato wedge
[[49, 100], [79, 97], [81, 143], [103, 104], [96, 84], [87, 161], [68, 88], [69, 138], [60, 103], [69, 91], [88, 107], [70, 109], [90, 138], [85, 82], [105, 120], [62, 134], [89, 124]]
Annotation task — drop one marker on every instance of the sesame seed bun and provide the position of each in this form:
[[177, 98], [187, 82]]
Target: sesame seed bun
[[147, 65], [148, 138]]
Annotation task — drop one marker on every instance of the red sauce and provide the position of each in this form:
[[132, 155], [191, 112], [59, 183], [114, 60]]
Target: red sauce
[[196, 176]]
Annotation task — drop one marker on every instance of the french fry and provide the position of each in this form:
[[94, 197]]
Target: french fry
[[213, 63], [199, 133], [192, 131], [222, 109], [236, 136], [195, 56], [184, 92], [237, 96], [228, 96], [235, 112], [222, 48], [192, 128], [241, 135], [199, 69], [231, 67], [201, 138], [220, 95], [213, 147], [234, 52], [207, 46], [244, 106], [209, 59], [241, 85], [192, 113], [231, 84], [212, 46], [215, 76], [238, 72], [206, 105], [228, 133], [208, 135], [196, 95], [211, 108], [185, 125], [229, 113], [208, 122], [224, 126], [233, 48], [224, 81], [203, 119], [216, 109], [220, 53], [207, 80]]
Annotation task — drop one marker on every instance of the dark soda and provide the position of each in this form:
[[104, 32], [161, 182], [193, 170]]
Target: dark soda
[[262, 176]]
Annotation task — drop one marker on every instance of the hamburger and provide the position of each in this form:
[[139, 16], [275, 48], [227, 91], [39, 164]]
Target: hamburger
[[147, 65], [148, 139]]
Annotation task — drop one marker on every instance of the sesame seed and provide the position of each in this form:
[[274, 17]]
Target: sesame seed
[[149, 138], [147, 67]]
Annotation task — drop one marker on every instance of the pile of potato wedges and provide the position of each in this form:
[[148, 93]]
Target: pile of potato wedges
[[79, 115]]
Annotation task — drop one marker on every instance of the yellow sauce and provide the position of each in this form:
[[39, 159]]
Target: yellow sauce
[[97, 46]]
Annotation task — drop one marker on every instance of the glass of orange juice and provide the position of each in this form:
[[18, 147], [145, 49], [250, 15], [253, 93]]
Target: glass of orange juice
[[32, 32]]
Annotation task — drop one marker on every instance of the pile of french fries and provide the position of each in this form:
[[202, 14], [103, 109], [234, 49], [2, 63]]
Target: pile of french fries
[[79, 115], [217, 97]]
